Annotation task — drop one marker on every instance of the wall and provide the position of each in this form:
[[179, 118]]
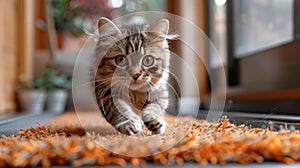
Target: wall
[[8, 55], [16, 46]]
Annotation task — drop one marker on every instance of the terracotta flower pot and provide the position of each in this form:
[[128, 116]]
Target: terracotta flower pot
[[69, 42]]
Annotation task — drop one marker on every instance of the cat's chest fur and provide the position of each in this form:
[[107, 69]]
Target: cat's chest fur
[[138, 100]]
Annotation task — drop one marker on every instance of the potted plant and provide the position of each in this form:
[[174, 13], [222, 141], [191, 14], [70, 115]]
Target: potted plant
[[50, 86], [69, 23], [57, 85], [31, 94]]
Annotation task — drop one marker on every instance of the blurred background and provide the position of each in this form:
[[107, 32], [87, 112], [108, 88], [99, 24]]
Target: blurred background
[[257, 40]]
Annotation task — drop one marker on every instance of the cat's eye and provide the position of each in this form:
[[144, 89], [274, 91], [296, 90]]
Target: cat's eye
[[121, 60], [148, 60]]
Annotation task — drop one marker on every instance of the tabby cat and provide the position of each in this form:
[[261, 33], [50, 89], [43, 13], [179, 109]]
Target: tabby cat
[[131, 77]]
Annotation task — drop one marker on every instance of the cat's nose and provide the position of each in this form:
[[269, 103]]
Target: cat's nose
[[136, 76]]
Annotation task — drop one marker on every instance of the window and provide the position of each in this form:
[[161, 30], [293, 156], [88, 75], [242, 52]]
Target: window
[[261, 24], [217, 31], [240, 28]]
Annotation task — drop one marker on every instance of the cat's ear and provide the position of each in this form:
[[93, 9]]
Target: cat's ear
[[160, 27], [105, 25]]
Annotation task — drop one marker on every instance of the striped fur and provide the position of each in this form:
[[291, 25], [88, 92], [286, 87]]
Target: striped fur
[[135, 93]]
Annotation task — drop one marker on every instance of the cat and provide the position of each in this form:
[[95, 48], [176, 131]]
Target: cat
[[132, 74]]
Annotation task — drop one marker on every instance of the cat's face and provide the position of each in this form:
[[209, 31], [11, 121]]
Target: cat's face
[[136, 57]]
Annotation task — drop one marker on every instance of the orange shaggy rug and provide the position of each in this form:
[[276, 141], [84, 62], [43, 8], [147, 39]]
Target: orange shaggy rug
[[86, 139]]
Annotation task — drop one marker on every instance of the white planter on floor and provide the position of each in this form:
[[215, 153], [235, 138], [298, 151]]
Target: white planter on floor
[[32, 101], [56, 101]]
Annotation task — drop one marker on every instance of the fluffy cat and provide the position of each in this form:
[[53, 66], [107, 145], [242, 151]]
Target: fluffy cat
[[131, 78]]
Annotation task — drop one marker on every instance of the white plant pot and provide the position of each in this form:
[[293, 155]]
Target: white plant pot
[[56, 101], [32, 101]]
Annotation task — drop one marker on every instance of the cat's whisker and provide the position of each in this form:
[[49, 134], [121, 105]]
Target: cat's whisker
[[101, 84], [103, 81], [100, 80], [148, 89], [103, 92], [98, 86], [119, 77], [109, 82], [151, 85], [124, 90], [91, 82]]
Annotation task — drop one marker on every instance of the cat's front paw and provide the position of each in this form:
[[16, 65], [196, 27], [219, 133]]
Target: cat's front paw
[[130, 128], [157, 125]]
